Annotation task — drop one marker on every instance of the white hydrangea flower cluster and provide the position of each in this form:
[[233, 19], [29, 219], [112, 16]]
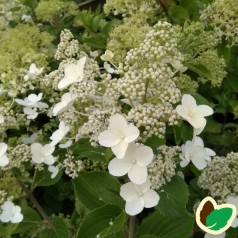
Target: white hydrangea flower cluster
[[162, 168], [220, 177], [132, 159]]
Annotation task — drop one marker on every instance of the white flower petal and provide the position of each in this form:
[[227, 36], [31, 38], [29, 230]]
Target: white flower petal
[[145, 187], [54, 171], [17, 218], [49, 160], [197, 121], [1, 118], [128, 192], [119, 167], [199, 162], [118, 124], [189, 102], [37, 159], [131, 133], [65, 82], [3, 149], [66, 145], [235, 223], [151, 198], [209, 152], [4, 160], [144, 155], [134, 206], [108, 138], [183, 112], [184, 163], [137, 174], [119, 149], [36, 148], [47, 150], [205, 110], [197, 141]]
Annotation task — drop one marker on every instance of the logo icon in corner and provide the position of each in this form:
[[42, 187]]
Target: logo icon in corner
[[214, 219]]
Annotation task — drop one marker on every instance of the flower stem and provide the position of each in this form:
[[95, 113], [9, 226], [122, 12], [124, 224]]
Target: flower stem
[[35, 203], [132, 226]]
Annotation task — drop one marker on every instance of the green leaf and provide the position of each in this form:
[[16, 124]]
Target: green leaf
[[95, 189], [179, 13], [202, 70], [165, 226], [174, 198], [84, 149], [218, 218], [59, 230], [105, 220]]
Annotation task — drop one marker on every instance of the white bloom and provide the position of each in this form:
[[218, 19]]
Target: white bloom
[[118, 135], [73, 73], [107, 56], [31, 139], [4, 160], [32, 101], [59, 134], [138, 196], [1, 118], [94, 54], [234, 201], [54, 170], [30, 112], [26, 18], [134, 103], [42, 154], [192, 113], [135, 163], [195, 152], [33, 72], [178, 66], [222, 235], [67, 101], [108, 68], [66, 145], [11, 213]]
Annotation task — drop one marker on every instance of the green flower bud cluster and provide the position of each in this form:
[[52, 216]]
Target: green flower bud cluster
[[55, 11]]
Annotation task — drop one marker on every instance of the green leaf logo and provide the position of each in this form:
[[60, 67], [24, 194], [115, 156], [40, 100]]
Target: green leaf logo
[[213, 218]]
